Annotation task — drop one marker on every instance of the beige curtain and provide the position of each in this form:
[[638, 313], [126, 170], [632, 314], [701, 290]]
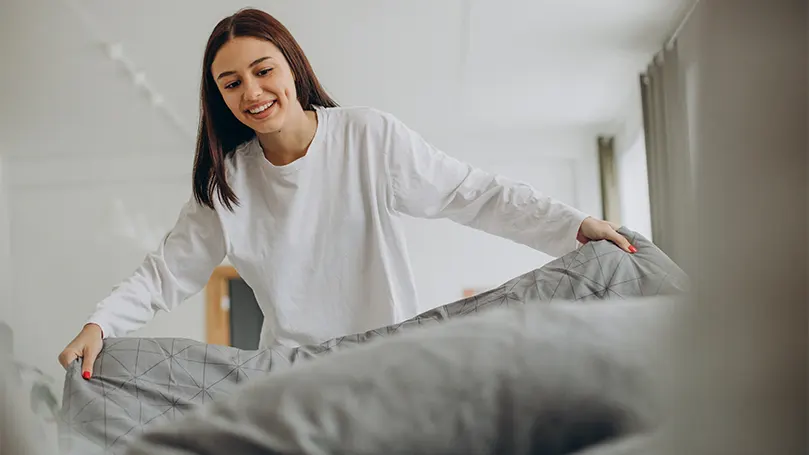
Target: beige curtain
[[667, 150], [742, 338], [610, 196]]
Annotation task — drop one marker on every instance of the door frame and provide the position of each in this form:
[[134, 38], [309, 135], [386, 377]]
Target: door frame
[[217, 305]]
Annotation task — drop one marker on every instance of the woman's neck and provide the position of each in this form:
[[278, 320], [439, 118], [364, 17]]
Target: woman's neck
[[292, 141]]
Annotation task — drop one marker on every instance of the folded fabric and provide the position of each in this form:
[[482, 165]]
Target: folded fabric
[[143, 383]]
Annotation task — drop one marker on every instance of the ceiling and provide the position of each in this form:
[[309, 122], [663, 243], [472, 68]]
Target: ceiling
[[561, 63], [470, 64]]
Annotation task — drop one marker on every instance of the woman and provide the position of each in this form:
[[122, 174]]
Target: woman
[[304, 197]]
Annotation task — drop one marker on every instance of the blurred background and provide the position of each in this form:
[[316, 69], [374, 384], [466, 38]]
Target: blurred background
[[595, 103]]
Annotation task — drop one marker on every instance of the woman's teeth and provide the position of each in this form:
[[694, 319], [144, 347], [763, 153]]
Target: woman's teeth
[[262, 108]]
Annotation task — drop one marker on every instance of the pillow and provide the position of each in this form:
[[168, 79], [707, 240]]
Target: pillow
[[550, 379]]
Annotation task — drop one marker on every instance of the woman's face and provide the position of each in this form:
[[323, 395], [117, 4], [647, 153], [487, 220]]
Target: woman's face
[[256, 83]]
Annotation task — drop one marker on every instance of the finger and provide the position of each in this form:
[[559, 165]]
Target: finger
[[622, 242], [87, 363], [615, 226], [67, 357]]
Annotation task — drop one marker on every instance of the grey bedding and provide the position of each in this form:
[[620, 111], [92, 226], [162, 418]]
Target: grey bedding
[[374, 393]]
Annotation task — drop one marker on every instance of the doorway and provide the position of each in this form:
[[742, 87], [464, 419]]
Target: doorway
[[233, 317]]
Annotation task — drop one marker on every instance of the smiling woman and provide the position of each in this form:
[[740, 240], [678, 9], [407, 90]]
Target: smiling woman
[[305, 200], [257, 69]]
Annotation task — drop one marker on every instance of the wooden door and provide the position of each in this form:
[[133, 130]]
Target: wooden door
[[232, 312], [217, 305]]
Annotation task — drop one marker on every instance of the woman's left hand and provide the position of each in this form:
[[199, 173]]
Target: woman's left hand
[[595, 229]]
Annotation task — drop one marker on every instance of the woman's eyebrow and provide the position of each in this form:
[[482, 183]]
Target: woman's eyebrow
[[255, 62]]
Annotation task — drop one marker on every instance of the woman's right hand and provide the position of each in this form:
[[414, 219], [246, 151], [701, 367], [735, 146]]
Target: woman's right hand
[[87, 345]]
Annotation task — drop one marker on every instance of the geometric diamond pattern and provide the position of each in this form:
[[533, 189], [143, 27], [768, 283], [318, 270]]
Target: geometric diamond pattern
[[140, 382]]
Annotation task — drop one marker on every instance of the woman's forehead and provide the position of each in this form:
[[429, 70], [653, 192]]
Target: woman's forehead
[[242, 52]]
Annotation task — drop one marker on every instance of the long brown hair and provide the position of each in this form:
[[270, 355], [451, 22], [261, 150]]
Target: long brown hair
[[220, 132]]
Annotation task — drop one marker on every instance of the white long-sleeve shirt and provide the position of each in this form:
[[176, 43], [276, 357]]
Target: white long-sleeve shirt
[[320, 240]]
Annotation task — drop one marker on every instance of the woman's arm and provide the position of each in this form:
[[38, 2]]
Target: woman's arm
[[428, 183], [177, 269]]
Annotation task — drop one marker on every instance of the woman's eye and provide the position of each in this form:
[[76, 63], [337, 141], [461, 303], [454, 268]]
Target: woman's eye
[[264, 71], [232, 85]]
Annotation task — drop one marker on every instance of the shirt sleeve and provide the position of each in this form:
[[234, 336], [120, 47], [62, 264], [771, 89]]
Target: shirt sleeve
[[178, 268], [427, 183]]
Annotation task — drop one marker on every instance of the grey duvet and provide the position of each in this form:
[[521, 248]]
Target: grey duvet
[[536, 365]]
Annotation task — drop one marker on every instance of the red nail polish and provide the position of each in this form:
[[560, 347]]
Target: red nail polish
[[632, 249], [86, 375]]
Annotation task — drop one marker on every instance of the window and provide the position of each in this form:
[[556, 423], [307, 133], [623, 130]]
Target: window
[[633, 187]]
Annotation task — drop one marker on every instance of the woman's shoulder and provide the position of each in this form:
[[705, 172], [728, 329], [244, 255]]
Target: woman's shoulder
[[360, 117], [244, 152]]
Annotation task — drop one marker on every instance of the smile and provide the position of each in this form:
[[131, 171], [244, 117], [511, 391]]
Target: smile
[[262, 108], [262, 111]]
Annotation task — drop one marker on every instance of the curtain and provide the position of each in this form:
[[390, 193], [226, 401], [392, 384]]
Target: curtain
[[610, 194], [668, 158]]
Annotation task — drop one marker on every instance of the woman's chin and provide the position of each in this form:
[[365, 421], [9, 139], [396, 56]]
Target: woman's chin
[[266, 126]]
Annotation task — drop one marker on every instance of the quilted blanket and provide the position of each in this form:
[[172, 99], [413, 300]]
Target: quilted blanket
[[141, 384]]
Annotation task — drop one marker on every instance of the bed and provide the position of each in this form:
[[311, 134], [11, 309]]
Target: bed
[[552, 360]]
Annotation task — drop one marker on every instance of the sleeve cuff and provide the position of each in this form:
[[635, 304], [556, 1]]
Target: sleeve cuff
[[105, 331], [577, 218]]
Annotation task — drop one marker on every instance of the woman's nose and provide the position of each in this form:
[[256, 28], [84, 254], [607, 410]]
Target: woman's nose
[[252, 90]]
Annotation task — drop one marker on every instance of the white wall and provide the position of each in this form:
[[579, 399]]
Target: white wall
[[70, 244], [448, 258]]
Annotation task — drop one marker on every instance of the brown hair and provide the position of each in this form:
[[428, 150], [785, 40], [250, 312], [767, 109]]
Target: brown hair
[[220, 132]]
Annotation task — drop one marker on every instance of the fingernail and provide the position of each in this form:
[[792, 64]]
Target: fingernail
[[86, 375], [632, 249]]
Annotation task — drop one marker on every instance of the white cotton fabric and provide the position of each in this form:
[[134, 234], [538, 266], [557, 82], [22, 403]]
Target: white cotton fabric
[[320, 241]]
